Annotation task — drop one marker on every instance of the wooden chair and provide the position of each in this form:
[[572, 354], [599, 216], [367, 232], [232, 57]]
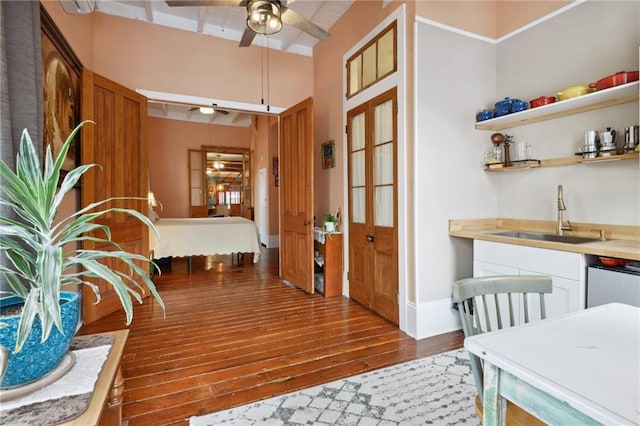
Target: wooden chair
[[491, 303]]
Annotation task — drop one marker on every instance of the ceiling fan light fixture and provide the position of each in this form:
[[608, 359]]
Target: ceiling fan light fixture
[[206, 110], [264, 16]]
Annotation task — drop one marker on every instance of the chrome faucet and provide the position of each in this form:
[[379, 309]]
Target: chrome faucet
[[560, 227]]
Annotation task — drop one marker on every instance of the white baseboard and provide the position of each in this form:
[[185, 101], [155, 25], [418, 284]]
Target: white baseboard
[[273, 241], [432, 318]]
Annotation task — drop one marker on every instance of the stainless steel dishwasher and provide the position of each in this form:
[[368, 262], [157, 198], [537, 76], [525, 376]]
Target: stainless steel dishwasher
[[608, 284]]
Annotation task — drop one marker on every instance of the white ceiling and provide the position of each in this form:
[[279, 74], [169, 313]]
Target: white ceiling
[[229, 22], [226, 22], [187, 113]]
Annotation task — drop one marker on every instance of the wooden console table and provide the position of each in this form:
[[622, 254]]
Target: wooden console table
[[105, 407]]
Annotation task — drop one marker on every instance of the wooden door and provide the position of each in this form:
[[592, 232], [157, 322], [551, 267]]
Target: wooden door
[[373, 235], [197, 188], [296, 195], [118, 143]]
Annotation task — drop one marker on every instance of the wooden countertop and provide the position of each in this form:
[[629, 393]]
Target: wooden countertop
[[621, 241]]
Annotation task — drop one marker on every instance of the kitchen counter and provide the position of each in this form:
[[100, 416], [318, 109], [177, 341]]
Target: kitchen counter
[[621, 241]]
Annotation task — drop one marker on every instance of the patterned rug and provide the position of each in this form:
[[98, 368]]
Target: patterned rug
[[437, 390]]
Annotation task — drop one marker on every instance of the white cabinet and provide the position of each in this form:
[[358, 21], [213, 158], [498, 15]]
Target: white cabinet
[[566, 269]]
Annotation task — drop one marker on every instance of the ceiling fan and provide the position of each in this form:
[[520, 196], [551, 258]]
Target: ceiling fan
[[263, 17]]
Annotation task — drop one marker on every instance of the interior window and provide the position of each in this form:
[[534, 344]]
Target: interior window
[[373, 62]]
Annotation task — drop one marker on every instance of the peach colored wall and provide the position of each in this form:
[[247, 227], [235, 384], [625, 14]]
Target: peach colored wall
[[146, 56], [511, 15], [169, 141], [274, 193], [478, 17], [261, 158], [492, 19], [77, 29], [265, 143]]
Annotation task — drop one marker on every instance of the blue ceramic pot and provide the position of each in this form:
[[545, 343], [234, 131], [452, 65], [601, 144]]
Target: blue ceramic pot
[[483, 115], [37, 359], [499, 112], [519, 106]]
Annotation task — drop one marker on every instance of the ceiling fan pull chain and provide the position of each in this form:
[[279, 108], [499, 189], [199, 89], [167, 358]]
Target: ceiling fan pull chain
[[268, 107], [262, 71]]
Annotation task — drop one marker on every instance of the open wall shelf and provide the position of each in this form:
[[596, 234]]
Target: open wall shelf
[[601, 99], [556, 162]]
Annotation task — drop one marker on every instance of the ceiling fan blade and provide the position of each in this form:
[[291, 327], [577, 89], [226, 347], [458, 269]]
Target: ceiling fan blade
[[247, 37], [303, 24], [186, 3]]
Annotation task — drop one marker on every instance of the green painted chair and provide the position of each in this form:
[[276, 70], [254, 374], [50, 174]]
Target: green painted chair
[[487, 304]]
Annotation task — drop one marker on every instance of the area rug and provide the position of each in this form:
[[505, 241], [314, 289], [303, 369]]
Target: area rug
[[438, 390]]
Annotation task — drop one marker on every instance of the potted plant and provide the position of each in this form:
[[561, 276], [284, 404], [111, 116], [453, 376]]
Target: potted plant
[[330, 223], [42, 258]]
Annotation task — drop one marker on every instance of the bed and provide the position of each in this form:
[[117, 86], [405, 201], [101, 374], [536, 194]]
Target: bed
[[204, 236]]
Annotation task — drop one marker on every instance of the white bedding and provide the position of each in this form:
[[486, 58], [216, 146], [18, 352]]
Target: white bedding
[[205, 236]]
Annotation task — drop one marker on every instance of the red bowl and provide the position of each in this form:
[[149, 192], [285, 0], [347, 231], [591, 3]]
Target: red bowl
[[542, 100], [612, 261], [622, 77]]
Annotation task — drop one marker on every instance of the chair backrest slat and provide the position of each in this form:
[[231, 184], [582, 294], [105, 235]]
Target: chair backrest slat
[[515, 288], [526, 307], [512, 312], [486, 313]]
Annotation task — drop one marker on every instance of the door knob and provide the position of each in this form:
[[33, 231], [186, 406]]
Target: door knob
[[306, 222], [371, 238]]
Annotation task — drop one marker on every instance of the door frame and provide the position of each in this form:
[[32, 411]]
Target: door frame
[[405, 213]]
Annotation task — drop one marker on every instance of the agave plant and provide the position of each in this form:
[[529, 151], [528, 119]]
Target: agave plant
[[42, 249]]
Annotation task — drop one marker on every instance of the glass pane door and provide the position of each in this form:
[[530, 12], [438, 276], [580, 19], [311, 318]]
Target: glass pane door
[[358, 170], [383, 165]]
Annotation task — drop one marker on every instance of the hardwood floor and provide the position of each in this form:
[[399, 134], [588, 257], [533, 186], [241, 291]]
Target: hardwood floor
[[234, 335]]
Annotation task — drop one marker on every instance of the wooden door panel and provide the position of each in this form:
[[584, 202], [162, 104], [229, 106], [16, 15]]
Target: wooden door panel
[[296, 195], [359, 268], [384, 300], [117, 142]]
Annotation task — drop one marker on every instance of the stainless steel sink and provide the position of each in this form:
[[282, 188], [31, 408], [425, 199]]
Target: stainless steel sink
[[568, 239]]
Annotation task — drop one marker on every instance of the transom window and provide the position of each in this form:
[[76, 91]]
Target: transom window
[[373, 62]]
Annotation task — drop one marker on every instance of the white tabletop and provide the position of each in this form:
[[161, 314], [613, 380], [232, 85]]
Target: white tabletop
[[590, 359]]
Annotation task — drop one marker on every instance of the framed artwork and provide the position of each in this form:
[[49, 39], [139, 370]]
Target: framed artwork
[[328, 154], [61, 70]]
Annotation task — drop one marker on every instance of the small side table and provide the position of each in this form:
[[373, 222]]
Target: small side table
[[105, 407]]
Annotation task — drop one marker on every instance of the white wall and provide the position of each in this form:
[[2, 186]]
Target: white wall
[[545, 59], [457, 75]]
